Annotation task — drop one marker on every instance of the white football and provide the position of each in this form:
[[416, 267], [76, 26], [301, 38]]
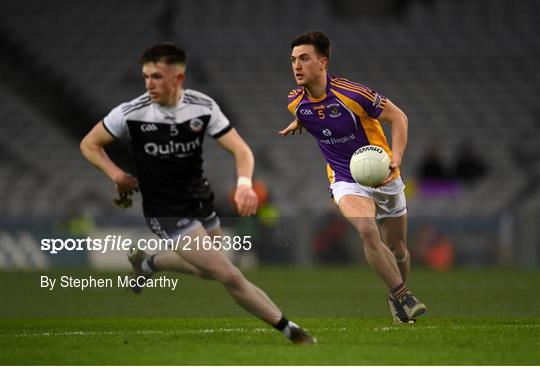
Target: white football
[[370, 165]]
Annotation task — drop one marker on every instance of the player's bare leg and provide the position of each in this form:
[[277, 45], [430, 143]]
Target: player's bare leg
[[217, 266], [360, 211], [212, 264], [394, 235], [260, 292]]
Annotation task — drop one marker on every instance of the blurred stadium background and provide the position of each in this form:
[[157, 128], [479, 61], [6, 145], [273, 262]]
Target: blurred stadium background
[[465, 72]]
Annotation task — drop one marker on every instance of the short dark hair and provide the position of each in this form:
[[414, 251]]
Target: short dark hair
[[319, 40], [165, 52]]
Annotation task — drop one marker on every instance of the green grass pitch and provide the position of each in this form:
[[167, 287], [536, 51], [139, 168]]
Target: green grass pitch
[[475, 317]]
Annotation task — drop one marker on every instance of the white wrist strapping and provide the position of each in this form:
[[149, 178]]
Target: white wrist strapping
[[243, 180]]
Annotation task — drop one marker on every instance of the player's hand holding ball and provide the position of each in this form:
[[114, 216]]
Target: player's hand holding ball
[[126, 184], [394, 166], [245, 198]]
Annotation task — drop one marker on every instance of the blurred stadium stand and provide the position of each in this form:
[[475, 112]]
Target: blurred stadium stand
[[461, 70]]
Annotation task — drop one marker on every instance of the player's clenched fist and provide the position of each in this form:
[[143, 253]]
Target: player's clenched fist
[[126, 184]]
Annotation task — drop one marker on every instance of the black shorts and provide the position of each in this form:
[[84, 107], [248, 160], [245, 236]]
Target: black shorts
[[191, 199]]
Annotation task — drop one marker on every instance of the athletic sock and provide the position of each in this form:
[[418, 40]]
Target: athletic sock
[[285, 326], [399, 291], [148, 265]]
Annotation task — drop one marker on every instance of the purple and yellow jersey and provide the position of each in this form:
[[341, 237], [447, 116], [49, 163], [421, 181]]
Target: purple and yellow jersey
[[341, 121]]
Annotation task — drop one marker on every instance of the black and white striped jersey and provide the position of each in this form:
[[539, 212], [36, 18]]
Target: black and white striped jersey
[[167, 147]]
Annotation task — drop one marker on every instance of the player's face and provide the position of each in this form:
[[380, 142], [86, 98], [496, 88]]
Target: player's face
[[307, 64], [163, 82]]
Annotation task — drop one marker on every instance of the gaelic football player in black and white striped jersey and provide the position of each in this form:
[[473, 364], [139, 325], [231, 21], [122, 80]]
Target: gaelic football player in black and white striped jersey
[[166, 127]]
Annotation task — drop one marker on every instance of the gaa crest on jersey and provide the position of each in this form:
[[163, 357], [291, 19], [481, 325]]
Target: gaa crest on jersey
[[334, 110], [148, 127], [196, 125], [306, 112]]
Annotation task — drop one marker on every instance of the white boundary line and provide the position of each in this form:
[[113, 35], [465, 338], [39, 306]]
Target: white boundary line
[[256, 330], [454, 327], [146, 332]]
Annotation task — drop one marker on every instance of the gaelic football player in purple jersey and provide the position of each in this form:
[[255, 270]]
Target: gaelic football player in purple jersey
[[343, 116]]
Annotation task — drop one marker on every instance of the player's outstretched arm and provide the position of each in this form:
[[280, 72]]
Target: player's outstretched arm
[[293, 127], [393, 115], [92, 149], [245, 198]]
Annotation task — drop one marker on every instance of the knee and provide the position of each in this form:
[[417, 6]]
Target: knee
[[233, 277], [399, 247], [400, 253], [370, 237]]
